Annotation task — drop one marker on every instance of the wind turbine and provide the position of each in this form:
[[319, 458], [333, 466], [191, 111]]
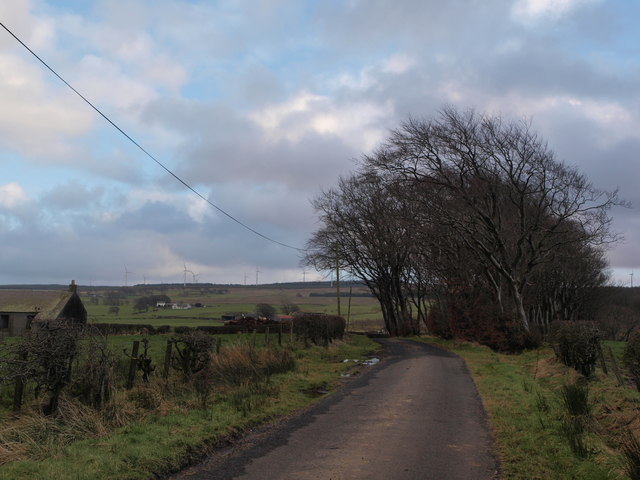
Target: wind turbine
[[126, 275], [257, 272], [631, 275], [186, 270]]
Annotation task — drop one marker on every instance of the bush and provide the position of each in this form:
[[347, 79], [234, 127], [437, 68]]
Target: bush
[[576, 344], [192, 350], [472, 317], [319, 328], [631, 357]]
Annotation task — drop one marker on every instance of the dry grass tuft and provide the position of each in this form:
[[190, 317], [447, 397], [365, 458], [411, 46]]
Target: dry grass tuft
[[36, 436], [239, 364], [119, 411], [11, 451]]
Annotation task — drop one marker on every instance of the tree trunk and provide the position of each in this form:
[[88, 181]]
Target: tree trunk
[[522, 314]]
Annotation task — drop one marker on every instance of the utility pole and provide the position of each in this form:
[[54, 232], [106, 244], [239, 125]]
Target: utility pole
[[338, 277], [349, 309], [257, 272], [126, 275]]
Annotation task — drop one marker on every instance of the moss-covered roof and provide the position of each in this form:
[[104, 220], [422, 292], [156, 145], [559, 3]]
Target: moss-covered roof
[[46, 304]]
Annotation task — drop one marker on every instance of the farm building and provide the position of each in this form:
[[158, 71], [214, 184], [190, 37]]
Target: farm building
[[19, 309]]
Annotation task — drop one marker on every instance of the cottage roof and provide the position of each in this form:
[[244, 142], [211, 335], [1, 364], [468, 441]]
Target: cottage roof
[[47, 304]]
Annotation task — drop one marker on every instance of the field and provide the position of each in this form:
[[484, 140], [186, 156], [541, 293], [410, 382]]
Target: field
[[363, 315]]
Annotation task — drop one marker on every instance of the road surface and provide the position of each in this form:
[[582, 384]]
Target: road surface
[[415, 415]]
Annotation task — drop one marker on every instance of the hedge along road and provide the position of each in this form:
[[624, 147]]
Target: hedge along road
[[415, 415]]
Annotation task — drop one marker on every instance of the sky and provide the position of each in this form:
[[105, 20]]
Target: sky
[[260, 105]]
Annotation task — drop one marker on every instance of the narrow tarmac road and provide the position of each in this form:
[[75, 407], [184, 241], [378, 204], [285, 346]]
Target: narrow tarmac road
[[415, 415]]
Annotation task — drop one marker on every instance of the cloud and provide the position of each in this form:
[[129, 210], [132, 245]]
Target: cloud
[[11, 194], [261, 108], [307, 113], [42, 119], [527, 11]]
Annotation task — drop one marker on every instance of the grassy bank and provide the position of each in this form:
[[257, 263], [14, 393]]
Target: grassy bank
[[164, 423], [523, 398]]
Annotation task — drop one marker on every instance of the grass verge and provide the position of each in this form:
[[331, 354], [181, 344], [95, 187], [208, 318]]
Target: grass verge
[[523, 397]]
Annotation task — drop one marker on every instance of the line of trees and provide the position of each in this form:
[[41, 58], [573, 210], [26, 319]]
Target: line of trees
[[468, 224]]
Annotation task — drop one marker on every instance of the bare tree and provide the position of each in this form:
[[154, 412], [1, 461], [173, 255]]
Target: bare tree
[[502, 191], [288, 308], [366, 231]]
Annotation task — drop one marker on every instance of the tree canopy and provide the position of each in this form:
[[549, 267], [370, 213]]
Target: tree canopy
[[465, 212]]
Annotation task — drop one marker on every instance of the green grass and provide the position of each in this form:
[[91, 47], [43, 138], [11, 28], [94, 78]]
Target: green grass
[[521, 394], [163, 439], [365, 312]]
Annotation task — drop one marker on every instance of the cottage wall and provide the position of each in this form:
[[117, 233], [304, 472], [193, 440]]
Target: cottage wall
[[13, 323], [74, 311]]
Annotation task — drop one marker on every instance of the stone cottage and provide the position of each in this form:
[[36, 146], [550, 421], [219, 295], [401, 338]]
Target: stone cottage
[[19, 309]]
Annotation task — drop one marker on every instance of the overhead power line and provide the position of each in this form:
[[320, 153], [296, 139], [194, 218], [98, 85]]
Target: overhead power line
[[146, 152]]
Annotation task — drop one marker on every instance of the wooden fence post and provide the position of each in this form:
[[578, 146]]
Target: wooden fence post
[[167, 359], [18, 394], [133, 364], [19, 391], [616, 371], [266, 337], [603, 361], [280, 335]]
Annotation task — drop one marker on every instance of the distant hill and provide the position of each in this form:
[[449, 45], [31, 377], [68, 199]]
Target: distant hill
[[37, 286], [284, 285]]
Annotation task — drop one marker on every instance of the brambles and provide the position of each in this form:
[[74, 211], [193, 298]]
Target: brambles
[[95, 381], [44, 356], [193, 352]]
